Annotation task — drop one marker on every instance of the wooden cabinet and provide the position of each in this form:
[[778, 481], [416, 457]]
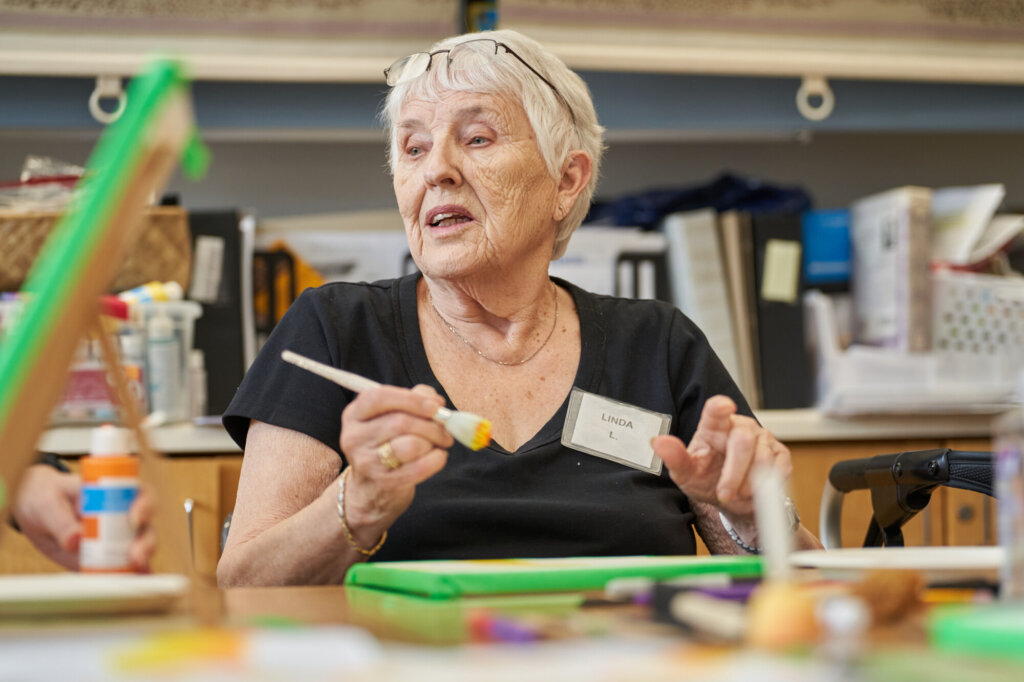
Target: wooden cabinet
[[209, 481]]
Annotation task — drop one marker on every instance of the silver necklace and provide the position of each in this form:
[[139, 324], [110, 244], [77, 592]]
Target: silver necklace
[[464, 340]]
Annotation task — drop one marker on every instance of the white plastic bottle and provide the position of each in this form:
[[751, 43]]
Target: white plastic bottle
[[133, 356], [163, 352], [196, 383], [110, 483]]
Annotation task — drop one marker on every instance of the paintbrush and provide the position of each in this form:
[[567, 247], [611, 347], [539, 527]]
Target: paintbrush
[[469, 429]]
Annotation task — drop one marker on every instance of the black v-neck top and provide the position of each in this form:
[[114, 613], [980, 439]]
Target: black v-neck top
[[543, 500]]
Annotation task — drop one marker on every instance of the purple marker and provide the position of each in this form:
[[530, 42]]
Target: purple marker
[[734, 592], [505, 630]]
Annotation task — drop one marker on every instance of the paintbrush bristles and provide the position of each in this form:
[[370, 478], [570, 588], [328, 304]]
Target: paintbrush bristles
[[469, 429]]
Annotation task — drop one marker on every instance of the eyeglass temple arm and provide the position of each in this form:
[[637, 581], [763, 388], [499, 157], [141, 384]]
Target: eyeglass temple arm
[[538, 75]]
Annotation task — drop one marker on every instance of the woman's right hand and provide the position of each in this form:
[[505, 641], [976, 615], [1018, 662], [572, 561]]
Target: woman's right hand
[[401, 420]]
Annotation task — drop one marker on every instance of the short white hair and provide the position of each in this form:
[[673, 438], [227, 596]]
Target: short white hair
[[552, 123]]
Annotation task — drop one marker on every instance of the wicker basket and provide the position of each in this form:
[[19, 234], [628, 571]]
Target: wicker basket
[[163, 251]]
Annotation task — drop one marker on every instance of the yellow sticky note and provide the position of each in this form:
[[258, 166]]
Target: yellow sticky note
[[781, 277]]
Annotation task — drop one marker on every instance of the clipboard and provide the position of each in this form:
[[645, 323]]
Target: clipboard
[[77, 263], [440, 579]]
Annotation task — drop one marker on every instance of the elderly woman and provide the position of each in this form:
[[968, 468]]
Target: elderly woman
[[495, 148]]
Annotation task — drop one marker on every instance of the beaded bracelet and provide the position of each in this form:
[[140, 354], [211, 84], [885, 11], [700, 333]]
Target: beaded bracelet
[[344, 525], [749, 549]]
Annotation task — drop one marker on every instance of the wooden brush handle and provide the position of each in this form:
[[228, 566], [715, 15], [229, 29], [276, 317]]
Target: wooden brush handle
[[349, 380]]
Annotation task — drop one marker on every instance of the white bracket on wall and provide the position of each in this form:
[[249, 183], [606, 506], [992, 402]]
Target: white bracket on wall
[[107, 87], [814, 99]]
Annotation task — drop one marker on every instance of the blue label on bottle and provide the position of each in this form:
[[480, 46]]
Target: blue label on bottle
[[107, 500]]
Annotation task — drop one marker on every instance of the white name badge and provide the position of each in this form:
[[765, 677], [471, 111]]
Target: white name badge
[[614, 430]]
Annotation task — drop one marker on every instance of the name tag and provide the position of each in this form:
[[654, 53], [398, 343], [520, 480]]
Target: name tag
[[614, 430]]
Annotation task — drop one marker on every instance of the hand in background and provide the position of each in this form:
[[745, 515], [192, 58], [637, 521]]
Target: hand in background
[[46, 510], [715, 467]]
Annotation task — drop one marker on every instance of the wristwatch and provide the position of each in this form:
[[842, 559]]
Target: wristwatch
[[52, 460], [791, 513]]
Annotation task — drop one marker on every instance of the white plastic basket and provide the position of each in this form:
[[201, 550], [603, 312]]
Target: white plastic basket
[[978, 325], [977, 356]]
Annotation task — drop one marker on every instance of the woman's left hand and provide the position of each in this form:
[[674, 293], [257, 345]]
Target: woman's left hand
[[715, 467]]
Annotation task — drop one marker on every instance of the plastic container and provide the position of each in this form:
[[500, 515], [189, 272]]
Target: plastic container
[[110, 483], [978, 325], [979, 350], [133, 357], [88, 397], [1008, 471], [182, 316], [164, 356], [196, 383]]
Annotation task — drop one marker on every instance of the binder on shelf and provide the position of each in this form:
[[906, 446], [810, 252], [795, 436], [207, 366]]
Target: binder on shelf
[[891, 236], [275, 288], [615, 261], [222, 284], [738, 259], [698, 280], [826, 248], [786, 373]]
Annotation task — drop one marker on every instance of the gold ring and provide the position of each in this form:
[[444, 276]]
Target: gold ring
[[387, 455]]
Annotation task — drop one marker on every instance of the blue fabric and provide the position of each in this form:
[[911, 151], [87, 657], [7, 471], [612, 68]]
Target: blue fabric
[[727, 192]]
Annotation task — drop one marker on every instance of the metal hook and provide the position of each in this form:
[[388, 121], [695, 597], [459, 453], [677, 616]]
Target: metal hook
[[810, 87], [107, 87]]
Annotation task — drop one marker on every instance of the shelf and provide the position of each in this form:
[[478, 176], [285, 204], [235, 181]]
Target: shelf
[[812, 425], [236, 59], [787, 425], [765, 55], [363, 61], [175, 439]]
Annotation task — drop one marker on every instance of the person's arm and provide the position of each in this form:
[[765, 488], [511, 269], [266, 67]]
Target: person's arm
[[45, 510], [286, 528], [714, 471], [718, 540]]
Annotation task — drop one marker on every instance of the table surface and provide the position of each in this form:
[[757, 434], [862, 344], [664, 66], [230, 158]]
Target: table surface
[[334, 632]]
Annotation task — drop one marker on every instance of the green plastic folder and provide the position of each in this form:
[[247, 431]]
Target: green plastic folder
[[453, 579], [79, 259], [996, 630]]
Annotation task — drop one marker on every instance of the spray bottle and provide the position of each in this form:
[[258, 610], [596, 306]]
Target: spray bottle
[[110, 483]]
